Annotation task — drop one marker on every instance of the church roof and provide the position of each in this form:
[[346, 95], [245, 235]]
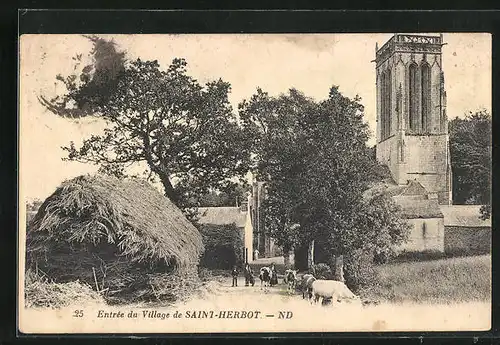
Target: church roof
[[222, 216], [418, 208], [412, 198], [412, 189], [464, 216]]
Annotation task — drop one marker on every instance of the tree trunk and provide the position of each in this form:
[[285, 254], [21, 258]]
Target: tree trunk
[[169, 189], [310, 256], [286, 258], [160, 170], [339, 268]]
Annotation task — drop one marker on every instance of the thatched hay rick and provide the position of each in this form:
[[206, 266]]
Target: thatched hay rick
[[122, 237]]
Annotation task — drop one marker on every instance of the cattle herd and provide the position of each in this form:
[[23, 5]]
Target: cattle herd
[[314, 290]]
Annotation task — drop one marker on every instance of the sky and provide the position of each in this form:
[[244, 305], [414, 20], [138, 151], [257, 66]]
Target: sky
[[312, 63]]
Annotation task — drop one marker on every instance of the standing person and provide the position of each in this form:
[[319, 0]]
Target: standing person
[[249, 275], [256, 254], [234, 273], [274, 276]]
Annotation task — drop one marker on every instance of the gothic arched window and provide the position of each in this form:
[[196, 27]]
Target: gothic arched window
[[382, 106], [412, 95], [425, 71], [385, 125], [388, 103]]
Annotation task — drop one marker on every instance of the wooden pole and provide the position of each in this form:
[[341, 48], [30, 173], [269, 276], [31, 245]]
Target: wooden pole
[[95, 280]]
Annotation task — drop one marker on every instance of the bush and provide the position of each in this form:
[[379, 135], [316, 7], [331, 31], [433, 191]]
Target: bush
[[223, 246], [359, 271], [323, 271]]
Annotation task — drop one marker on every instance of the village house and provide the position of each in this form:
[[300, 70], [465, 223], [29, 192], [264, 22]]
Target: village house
[[232, 215]]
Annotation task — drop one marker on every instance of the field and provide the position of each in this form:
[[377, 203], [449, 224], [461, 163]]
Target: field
[[461, 279]]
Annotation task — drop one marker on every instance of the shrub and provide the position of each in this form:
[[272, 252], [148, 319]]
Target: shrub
[[359, 271], [322, 271], [223, 246]]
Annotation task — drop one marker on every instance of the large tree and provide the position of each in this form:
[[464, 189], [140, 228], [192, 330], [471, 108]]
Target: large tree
[[186, 133], [274, 127], [314, 158], [470, 149]]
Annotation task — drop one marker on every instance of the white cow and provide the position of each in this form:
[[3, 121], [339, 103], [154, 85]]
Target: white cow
[[333, 289]]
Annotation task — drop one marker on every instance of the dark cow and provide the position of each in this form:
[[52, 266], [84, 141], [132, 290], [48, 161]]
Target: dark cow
[[306, 285], [265, 277]]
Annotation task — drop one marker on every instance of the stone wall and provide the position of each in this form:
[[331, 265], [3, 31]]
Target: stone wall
[[467, 240], [425, 235]]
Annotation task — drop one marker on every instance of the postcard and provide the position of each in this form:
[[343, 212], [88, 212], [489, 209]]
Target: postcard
[[235, 183]]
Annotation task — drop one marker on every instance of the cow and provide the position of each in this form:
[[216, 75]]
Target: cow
[[290, 280], [265, 278], [306, 285], [333, 289]]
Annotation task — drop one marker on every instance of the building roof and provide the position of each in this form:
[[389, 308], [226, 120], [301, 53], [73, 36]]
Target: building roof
[[222, 216], [412, 198], [464, 215], [413, 188], [418, 208]]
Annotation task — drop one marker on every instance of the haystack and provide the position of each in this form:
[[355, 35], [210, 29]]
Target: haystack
[[120, 236]]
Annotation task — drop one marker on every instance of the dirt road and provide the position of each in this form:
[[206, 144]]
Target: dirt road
[[222, 308]]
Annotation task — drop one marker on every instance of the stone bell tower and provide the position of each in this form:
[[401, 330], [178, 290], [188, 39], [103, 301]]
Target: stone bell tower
[[412, 126]]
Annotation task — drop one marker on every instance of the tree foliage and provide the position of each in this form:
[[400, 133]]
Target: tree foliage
[[274, 127], [184, 132], [316, 164], [470, 149], [234, 195]]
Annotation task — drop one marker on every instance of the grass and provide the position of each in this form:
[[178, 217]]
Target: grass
[[460, 279]]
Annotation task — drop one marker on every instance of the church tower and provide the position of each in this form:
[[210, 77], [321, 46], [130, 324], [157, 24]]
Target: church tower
[[412, 126]]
